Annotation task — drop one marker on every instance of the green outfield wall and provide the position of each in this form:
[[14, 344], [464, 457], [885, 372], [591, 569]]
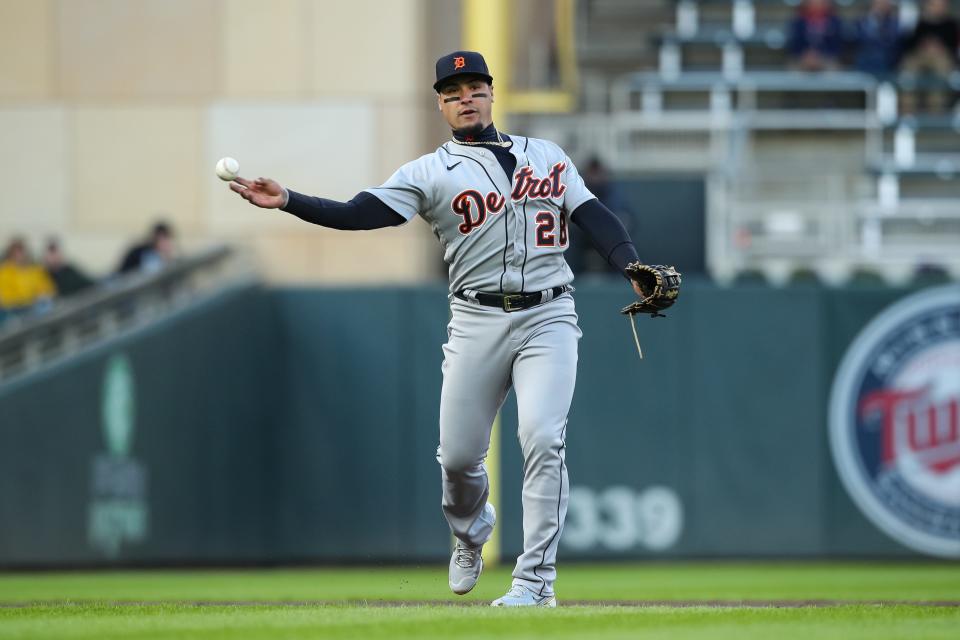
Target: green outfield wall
[[301, 425], [151, 448]]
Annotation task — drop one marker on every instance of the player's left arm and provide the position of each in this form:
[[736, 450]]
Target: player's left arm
[[607, 235], [602, 227]]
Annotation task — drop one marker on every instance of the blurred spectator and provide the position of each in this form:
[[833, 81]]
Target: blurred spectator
[[930, 52], [580, 255], [930, 274], [866, 277], [815, 37], [23, 284], [597, 178], [877, 39], [68, 279], [153, 254]]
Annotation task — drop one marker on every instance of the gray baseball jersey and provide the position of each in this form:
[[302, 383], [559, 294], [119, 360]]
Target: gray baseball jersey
[[502, 235], [496, 236]]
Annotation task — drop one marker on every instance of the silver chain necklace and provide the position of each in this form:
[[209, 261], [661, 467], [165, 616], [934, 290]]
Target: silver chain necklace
[[500, 142]]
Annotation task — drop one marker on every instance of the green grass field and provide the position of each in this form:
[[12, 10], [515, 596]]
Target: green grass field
[[676, 601]]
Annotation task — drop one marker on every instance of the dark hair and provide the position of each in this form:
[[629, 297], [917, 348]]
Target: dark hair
[[16, 242], [161, 229]]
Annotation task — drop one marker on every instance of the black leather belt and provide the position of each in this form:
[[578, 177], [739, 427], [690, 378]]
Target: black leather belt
[[513, 301]]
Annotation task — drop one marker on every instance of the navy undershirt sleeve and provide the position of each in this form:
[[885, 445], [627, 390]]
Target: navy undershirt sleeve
[[606, 233], [363, 212]]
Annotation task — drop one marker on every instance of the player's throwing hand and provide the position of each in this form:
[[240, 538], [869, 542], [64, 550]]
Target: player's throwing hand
[[263, 192]]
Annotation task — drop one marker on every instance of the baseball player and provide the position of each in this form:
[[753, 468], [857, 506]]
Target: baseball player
[[500, 206]]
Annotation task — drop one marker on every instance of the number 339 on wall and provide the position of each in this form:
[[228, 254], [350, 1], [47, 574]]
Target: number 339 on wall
[[621, 518]]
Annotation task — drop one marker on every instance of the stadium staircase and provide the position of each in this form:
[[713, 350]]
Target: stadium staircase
[[805, 172]]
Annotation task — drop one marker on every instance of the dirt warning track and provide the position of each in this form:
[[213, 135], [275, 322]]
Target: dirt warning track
[[679, 604]]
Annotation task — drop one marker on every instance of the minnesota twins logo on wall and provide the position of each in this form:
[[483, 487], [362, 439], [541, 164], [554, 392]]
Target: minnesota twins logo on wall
[[895, 421]]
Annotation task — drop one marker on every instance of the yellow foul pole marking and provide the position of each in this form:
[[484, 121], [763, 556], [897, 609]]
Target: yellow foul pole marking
[[491, 550], [486, 28], [494, 44]]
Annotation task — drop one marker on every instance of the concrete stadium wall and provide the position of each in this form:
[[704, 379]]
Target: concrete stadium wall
[[301, 425], [113, 113]]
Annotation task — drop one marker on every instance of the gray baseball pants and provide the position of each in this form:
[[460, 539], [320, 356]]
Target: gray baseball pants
[[488, 351]]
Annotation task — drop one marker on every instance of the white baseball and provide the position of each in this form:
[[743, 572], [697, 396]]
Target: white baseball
[[227, 169]]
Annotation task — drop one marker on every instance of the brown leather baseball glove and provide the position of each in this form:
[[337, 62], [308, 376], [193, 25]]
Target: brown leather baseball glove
[[660, 285]]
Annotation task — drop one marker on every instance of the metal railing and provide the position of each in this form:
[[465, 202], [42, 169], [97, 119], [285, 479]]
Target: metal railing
[[122, 304]]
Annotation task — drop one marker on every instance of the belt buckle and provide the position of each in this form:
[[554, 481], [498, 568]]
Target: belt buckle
[[512, 302]]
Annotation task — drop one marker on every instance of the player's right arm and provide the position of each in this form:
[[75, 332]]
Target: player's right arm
[[363, 212]]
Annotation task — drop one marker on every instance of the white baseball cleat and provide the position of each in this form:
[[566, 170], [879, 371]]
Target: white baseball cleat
[[521, 596], [465, 567]]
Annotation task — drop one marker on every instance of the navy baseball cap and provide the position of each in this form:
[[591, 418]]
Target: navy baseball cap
[[461, 63]]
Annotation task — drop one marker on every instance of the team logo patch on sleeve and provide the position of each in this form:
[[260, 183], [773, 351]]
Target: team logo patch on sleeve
[[895, 421]]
